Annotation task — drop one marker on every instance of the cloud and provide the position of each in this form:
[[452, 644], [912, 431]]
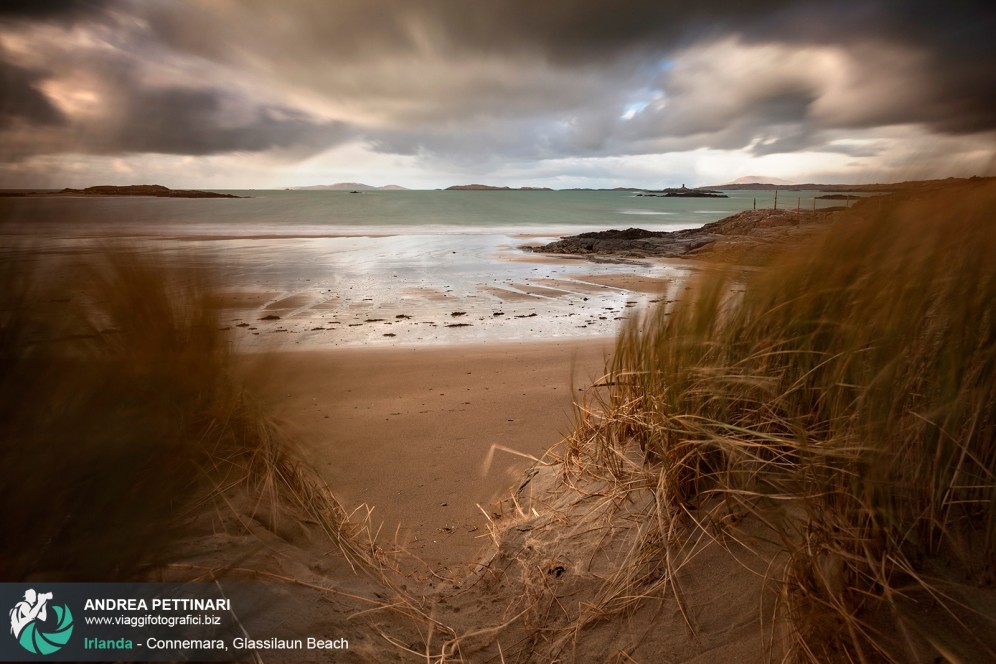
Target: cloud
[[184, 121], [22, 100], [728, 93], [392, 50], [67, 11], [488, 83], [98, 98], [775, 97]]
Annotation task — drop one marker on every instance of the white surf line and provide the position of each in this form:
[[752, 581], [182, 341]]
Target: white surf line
[[546, 286], [607, 287], [571, 280], [290, 312], [516, 291]]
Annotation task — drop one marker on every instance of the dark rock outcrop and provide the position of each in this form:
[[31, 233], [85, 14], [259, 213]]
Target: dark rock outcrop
[[744, 231], [684, 192], [691, 193]]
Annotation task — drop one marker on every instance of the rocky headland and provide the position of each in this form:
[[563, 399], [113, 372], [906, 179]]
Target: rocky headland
[[748, 236], [745, 233]]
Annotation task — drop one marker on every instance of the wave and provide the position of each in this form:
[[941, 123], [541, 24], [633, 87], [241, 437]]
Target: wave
[[649, 212]]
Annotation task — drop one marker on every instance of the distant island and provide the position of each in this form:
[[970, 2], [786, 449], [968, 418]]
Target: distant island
[[347, 186], [155, 190], [485, 187], [685, 192]]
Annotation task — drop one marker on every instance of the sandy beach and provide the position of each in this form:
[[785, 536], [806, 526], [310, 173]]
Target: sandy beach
[[425, 435], [494, 333], [394, 443]]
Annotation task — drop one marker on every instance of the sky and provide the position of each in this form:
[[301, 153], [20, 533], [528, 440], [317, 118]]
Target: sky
[[430, 93]]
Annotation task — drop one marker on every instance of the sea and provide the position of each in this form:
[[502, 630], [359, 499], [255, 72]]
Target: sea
[[331, 268]]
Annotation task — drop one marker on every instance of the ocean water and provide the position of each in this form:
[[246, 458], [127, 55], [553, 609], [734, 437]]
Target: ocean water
[[379, 213], [376, 268]]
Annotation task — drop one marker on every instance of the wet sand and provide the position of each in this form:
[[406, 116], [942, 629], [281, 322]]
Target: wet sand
[[543, 304]]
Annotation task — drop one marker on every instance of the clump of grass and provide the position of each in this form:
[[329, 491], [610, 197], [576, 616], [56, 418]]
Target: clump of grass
[[119, 411], [845, 396]]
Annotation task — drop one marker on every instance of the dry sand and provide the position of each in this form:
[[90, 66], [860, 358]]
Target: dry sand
[[410, 431], [436, 439]]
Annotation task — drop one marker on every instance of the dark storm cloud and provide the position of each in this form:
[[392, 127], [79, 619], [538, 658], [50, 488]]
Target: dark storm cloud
[[957, 36], [51, 10], [955, 39], [564, 31], [522, 78], [22, 100], [138, 117], [197, 122]]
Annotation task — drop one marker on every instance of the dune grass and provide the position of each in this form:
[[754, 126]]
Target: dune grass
[[120, 411], [844, 396]]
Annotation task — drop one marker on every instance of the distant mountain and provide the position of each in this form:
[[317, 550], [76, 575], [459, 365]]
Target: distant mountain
[[759, 179], [348, 186], [487, 187]]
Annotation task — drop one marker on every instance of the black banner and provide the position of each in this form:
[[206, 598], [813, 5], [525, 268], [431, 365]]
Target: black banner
[[158, 622]]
